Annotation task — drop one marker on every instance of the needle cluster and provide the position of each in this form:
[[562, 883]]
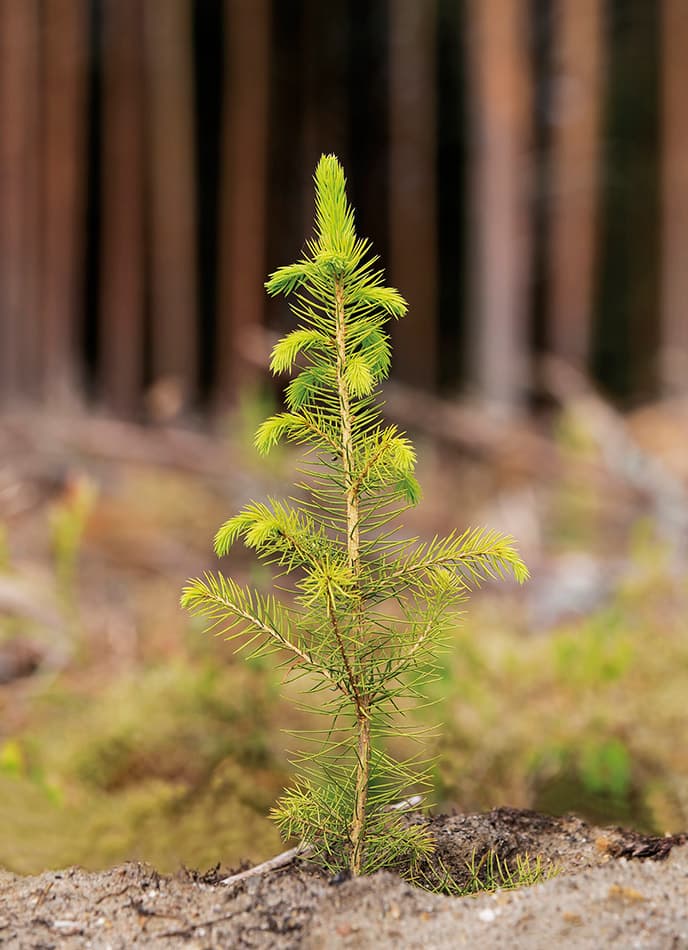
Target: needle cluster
[[366, 610]]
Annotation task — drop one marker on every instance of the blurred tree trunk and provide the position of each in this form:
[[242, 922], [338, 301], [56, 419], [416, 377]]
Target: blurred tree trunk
[[500, 84], [628, 287], [412, 182], [122, 271], [578, 69], [244, 188], [19, 198], [367, 110], [643, 222], [64, 121], [174, 344], [325, 106], [674, 333]]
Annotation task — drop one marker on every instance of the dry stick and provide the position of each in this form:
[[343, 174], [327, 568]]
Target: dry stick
[[110, 894], [43, 894], [282, 860]]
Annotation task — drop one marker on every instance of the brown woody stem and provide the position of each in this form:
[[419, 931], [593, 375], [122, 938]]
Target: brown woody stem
[[353, 550], [362, 778]]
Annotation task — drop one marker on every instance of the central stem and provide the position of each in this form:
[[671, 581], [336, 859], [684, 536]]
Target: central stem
[[353, 550], [352, 530]]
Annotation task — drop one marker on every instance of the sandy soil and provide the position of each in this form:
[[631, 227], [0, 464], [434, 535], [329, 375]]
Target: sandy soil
[[615, 888]]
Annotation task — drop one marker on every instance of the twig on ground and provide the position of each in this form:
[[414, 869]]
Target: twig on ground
[[43, 894], [406, 804], [123, 890], [282, 860]]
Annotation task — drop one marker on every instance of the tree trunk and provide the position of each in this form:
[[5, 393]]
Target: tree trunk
[[244, 187], [499, 74], [174, 343], [122, 273], [324, 89], [19, 199], [65, 65], [674, 331], [578, 66], [412, 184]]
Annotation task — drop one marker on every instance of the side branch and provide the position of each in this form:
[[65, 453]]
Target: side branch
[[310, 424], [362, 475], [274, 634], [204, 598], [331, 613]]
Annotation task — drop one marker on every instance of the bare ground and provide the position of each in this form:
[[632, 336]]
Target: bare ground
[[615, 888]]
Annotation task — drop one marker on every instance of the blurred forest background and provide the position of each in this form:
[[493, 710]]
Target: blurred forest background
[[521, 166]]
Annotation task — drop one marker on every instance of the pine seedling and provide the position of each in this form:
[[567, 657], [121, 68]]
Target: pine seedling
[[367, 611]]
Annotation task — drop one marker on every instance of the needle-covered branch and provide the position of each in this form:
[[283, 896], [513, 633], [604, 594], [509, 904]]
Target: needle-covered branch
[[240, 614], [475, 556]]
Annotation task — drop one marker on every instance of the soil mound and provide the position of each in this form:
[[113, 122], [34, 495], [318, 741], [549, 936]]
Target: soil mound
[[614, 888]]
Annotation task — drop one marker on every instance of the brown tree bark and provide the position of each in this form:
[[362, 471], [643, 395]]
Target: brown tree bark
[[500, 96], [174, 343], [19, 198], [244, 188], [674, 293], [122, 272], [578, 69], [324, 91], [412, 185], [64, 77]]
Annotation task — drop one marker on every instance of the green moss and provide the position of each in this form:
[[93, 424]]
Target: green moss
[[175, 764]]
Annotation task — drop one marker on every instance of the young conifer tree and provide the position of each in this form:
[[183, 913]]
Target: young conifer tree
[[368, 610]]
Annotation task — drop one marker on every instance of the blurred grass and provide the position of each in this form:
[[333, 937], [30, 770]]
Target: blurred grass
[[172, 765], [156, 743], [589, 719]]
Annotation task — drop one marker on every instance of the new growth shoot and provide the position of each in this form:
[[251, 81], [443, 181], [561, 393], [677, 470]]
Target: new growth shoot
[[368, 610]]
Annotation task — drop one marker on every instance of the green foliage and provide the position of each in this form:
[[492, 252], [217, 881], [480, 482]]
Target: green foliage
[[606, 767], [597, 654], [369, 611], [12, 760], [489, 873]]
